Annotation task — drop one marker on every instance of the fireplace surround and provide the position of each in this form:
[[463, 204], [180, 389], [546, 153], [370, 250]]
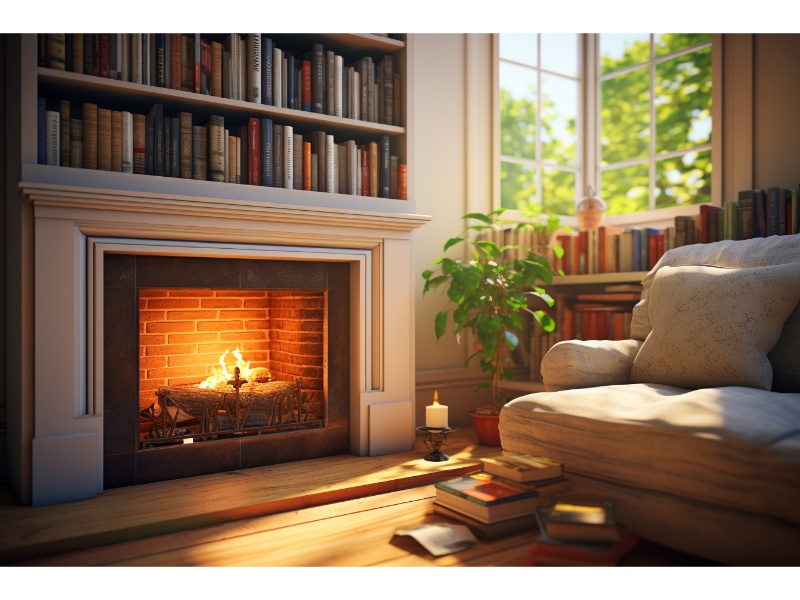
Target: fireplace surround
[[78, 230]]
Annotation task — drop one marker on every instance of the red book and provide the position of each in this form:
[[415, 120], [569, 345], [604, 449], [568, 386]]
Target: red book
[[205, 67], [402, 181], [175, 61], [96, 56], [254, 151], [307, 166], [305, 73], [581, 266], [605, 246]]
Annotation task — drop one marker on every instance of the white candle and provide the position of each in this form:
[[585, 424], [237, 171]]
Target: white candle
[[436, 414]]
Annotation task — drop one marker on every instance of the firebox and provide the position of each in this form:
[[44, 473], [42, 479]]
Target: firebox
[[215, 364]]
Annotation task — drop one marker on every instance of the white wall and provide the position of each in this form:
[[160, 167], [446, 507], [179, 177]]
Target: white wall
[[453, 176]]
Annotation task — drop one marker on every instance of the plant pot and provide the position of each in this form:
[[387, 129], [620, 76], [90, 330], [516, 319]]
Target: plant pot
[[487, 428]]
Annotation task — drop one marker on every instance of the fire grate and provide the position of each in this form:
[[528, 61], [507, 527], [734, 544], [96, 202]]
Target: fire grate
[[189, 413]]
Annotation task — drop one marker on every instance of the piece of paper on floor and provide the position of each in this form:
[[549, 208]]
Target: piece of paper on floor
[[441, 538]]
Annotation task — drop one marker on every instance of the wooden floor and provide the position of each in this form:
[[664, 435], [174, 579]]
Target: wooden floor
[[338, 511]]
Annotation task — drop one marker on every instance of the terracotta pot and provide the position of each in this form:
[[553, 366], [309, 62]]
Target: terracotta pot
[[487, 428]]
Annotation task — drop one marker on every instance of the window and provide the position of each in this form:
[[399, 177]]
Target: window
[[633, 120]]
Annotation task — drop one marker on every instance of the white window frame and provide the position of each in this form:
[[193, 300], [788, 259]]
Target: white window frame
[[588, 143]]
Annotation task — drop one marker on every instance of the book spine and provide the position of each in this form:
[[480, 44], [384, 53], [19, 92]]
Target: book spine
[[167, 126], [41, 129], [254, 150], [330, 83], [317, 78], [772, 210], [205, 67], [126, 160], [385, 165], [307, 166], [267, 51], [102, 45], [42, 49], [175, 45], [187, 63], [197, 49], [393, 162], [139, 144], [89, 135], [77, 52], [288, 157], [341, 168], [284, 87], [364, 171], [232, 158], [352, 168], [114, 68], [290, 82], [116, 141], [88, 54], [76, 143], [159, 148], [314, 173], [783, 196], [387, 67], [402, 182], [199, 152], [374, 169], [277, 156], [216, 148], [216, 69], [254, 59], [103, 139], [305, 76], [161, 60], [337, 83], [297, 162], [149, 142], [266, 152], [64, 136], [175, 146], [136, 58], [330, 181], [185, 150], [57, 51], [277, 77], [52, 140]]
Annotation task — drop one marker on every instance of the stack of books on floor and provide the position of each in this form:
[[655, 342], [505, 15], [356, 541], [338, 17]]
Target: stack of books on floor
[[492, 504], [584, 534]]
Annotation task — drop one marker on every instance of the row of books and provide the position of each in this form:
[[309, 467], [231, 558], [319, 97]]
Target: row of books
[[248, 67], [492, 504], [754, 213], [258, 152]]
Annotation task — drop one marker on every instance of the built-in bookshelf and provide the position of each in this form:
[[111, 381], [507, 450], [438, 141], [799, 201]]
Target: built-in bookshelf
[[390, 139]]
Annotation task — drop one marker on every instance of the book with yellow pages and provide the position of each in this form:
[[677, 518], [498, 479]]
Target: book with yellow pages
[[573, 521], [522, 467]]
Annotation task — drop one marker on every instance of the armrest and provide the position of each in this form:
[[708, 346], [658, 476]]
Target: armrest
[[580, 364]]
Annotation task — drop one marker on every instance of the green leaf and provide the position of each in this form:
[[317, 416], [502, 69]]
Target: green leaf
[[452, 242], [426, 274], [478, 217], [441, 323], [558, 251], [546, 321], [434, 283]]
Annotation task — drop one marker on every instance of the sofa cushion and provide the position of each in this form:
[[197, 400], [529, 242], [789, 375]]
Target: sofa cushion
[[733, 446], [713, 327]]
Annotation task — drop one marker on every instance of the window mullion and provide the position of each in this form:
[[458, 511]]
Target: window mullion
[[652, 160]]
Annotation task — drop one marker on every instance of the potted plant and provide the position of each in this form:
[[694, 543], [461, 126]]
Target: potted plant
[[488, 295]]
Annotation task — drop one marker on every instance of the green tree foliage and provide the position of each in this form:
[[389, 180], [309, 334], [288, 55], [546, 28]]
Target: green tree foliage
[[683, 121]]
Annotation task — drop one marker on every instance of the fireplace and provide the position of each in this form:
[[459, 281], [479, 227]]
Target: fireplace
[[237, 364], [100, 254]]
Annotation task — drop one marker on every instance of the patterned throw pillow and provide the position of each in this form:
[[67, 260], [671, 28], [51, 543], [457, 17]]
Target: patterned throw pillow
[[713, 327]]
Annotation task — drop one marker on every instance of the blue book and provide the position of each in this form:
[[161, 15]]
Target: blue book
[[291, 86], [41, 109], [385, 163], [773, 195], [266, 71], [266, 152], [161, 60]]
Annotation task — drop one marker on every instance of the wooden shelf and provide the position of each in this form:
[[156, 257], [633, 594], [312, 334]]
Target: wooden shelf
[[599, 278]]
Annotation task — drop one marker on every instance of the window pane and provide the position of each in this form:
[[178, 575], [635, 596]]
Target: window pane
[[625, 117], [683, 101], [619, 50], [517, 185], [673, 42], [683, 180], [560, 53], [517, 111], [625, 190], [519, 47], [559, 117], [558, 191]]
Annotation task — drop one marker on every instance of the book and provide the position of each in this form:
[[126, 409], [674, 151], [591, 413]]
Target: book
[[116, 141], [288, 157], [103, 139], [215, 87], [199, 152], [41, 130], [267, 51], [297, 162], [233, 159], [291, 87], [486, 489], [53, 137], [402, 181], [307, 166], [277, 156], [89, 135], [76, 143], [548, 551], [522, 467], [330, 158], [254, 71], [266, 152], [580, 521], [205, 67], [254, 151], [139, 143], [745, 216], [492, 513], [126, 160], [487, 530], [187, 63], [707, 217], [277, 77], [198, 57], [64, 139], [317, 78], [216, 148]]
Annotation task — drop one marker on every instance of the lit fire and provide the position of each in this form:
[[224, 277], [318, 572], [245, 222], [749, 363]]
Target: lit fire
[[219, 373]]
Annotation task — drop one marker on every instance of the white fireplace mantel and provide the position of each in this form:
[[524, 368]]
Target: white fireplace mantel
[[73, 228]]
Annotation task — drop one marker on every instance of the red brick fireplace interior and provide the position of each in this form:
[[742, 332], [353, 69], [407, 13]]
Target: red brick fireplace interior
[[217, 364]]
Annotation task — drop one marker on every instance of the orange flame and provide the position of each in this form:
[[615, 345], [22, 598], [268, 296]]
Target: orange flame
[[219, 373]]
